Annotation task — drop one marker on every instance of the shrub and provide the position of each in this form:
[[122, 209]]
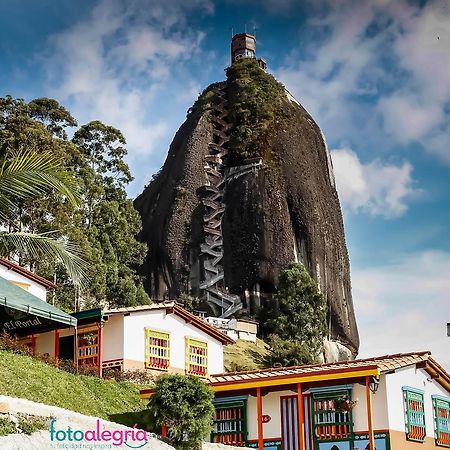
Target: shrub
[[29, 424], [184, 405], [7, 426], [299, 315], [285, 353], [12, 344]]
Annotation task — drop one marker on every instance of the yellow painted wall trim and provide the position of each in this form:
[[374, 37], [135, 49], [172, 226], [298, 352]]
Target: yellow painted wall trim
[[234, 385]]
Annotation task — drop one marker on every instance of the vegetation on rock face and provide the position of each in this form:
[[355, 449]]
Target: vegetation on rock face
[[104, 225], [254, 98], [297, 321], [183, 404]]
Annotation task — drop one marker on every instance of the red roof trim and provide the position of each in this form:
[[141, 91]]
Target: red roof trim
[[204, 326], [27, 273]]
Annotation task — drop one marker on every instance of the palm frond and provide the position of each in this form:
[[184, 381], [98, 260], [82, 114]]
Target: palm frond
[[28, 173], [37, 246]]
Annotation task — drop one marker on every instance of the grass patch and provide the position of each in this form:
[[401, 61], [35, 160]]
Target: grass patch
[[6, 426], [245, 355], [29, 424], [25, 377]]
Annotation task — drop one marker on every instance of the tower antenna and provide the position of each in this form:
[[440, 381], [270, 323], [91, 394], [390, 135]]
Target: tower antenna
[[245, 28], [232, 32]]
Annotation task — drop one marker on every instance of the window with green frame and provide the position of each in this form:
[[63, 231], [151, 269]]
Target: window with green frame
[[414, 414], [230, 421], [441, 412], [332, 415]]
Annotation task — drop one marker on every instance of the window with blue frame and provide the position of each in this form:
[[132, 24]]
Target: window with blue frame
[[414, 409], [441, 413]]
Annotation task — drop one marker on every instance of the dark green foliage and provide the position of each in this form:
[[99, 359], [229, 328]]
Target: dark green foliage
[[29, 424], [254, 98], [287, 353], [298, 315], [7, 426], [105, 225], [184, 405]]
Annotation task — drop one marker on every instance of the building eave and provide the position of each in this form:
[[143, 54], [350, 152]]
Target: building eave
[[27, 273]]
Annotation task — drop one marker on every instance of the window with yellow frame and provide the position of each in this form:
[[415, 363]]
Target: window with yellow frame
[[157, 350], [196, 357]]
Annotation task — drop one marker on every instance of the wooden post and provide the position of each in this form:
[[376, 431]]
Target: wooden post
[[33, 344], [100, 350], [369, 415], [301, 417], [260, 422], [56, 348]]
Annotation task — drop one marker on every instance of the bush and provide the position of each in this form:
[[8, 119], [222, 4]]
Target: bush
[[131, 376], [298, 315], [184, 405], [286, 353], [12, 344], [7, 426], [29, 424]]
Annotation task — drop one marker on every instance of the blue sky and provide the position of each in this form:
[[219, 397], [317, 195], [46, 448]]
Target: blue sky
[[375, 75]]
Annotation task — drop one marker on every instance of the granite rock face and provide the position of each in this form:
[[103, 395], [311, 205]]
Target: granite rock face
[[280, 208]]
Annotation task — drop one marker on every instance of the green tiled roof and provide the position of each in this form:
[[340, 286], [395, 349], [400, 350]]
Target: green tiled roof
[[14, 297]]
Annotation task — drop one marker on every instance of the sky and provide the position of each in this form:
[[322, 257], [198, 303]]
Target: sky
[[374, 74]]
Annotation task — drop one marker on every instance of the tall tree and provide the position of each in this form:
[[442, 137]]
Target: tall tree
[[297, 320], [104, 224]]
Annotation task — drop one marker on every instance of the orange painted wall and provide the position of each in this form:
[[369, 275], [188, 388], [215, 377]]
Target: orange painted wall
[[399, 442]]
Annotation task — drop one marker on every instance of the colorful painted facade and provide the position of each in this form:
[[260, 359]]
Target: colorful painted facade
[[158, 338], [389, 403]]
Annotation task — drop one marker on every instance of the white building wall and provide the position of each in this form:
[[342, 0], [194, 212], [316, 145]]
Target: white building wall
[[379, 407], [415, 378], [271, 405], [45, 343], [113, 338], [179, 330], [34, 288]]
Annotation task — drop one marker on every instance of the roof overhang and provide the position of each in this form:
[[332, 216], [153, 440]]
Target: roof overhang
[[285, 380], [22, 313]]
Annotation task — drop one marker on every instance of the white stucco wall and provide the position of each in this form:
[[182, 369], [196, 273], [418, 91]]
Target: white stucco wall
[[113, 338], [34, 288], [379, 407], [271, 405], [179, 330], [418, 379], [45, 343]]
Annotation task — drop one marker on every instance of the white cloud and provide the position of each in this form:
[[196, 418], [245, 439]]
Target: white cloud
[[392, 52], [375, 187], [404, 306], [123, 64]]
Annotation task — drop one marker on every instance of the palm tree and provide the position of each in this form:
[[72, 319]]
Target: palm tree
[[27, 174]]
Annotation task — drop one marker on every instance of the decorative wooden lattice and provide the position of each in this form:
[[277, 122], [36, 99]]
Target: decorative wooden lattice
[[157, 350], [230, 424], [196, 357], [441, 408], [330, 421], [414, 414], [88, 348]]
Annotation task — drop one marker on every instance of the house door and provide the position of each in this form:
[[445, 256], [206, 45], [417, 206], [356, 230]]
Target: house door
[[289, 423]]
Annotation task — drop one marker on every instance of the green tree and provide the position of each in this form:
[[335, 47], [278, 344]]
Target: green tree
[[104, 225], [298, 315], [183, 404]]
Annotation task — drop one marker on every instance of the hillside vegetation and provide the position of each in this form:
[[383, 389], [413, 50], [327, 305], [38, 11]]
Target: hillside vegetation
[[244, 355], [26, 377]]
